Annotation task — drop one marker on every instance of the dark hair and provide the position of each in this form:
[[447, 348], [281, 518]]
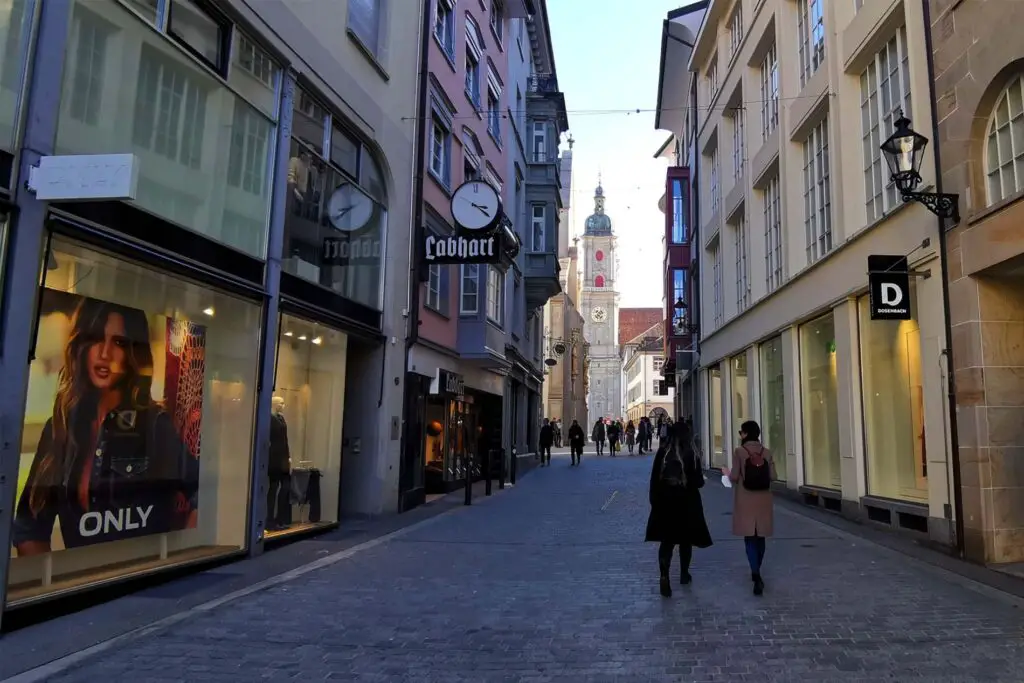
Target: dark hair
[[752, 431]]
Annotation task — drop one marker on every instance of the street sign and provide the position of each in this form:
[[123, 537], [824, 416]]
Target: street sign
[[85, 177]]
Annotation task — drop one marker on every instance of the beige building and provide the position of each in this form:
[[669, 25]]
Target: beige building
[[979, 76], [646, 392], [793, 102]]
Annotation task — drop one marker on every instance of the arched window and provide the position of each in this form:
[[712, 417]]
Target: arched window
[[599, 281], [1004, 144]]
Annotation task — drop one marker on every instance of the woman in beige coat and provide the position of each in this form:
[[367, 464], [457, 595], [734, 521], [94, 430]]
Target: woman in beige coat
[[753, 471]]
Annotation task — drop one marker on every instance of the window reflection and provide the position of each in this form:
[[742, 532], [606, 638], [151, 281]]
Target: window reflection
[[15, 27]]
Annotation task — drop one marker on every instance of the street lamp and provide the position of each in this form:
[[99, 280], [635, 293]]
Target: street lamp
[[904, 151]]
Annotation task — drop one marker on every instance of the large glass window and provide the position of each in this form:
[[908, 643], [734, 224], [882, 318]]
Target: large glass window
[[820, 402], [15, 29], [679, 212], [204, 143], [773, 403], [137, 442], [718, 457], [893, 392], [739, 398], [334, 228], [305, 428]]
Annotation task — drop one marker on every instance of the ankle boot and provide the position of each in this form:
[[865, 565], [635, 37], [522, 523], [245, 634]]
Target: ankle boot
[[666, 586], [685, 578], [758, 585]]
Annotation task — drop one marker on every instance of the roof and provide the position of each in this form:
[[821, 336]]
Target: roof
[[678, 36]]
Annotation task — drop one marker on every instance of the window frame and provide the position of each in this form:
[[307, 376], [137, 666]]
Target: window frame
[[469, 272], [539, 138], [495, 303], [541, 222], [444, 175], [772, 213], [738, 145], [716, 279], [736, 30], [712, 78], [1015, 164], [444, 17], [378, 50], [436, 298], [881, 197], [496, 20], [741, 242], [714, 180], [770, 92], [817, 192], [225, 29], [811, 29]]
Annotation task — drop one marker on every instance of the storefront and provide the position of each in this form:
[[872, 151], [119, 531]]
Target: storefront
[[773, 402], [450, 426], [186, 401], [715, 408], [820, 404]]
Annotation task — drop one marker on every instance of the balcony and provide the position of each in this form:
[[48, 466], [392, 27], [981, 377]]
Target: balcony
[[540, 278], [543, 84]]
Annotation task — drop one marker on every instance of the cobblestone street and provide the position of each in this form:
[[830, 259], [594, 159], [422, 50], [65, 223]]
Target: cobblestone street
[[550, 581]]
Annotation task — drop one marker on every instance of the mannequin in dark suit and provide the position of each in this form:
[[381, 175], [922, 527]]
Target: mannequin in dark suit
[[279, 508]]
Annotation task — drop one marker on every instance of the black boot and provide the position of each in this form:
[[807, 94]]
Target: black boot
[[666, 586], [685, 578], [758, 585]]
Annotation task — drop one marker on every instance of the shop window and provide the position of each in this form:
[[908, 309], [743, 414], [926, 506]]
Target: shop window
[[740, 397], [308, 403], [200, 144], [893, 394], [718, 455], [137, 441], [820, 403], [773, 402], [201, 33], [334, 227], [15, 31], [450, 437]]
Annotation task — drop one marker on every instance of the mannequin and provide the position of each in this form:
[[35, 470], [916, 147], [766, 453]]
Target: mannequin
[[279, 508]]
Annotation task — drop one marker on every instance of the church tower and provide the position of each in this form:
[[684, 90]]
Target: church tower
[[599, 308]]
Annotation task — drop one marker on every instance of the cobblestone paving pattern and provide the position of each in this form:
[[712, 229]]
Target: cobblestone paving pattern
[[539, 584]]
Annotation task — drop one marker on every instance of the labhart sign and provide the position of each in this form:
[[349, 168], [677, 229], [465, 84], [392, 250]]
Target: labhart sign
[[889, 287], [483, 234]]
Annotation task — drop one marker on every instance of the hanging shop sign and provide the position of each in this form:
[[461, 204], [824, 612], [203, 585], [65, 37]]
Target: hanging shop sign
[[80, 177], [447, 383], [350, 212], [483, 234], [889, 287]]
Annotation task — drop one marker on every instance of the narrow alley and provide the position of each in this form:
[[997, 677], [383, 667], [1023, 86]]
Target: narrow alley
[[550, 581]]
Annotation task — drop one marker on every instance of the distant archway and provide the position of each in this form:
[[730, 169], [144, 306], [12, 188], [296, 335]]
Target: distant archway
[[658, 412]]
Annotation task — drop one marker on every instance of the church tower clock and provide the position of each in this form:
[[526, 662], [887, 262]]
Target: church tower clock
[[599, 308]]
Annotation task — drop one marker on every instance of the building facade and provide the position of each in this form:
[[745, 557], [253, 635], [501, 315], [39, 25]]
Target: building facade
[[565, 349], [599, 307], [643, 360], [788, 212], [978, 75], [492, 111], [230, 293]]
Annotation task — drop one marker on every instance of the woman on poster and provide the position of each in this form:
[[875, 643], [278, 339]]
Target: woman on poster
[[110, 463]]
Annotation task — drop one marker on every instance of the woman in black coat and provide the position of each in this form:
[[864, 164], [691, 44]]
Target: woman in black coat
[[677, 511]]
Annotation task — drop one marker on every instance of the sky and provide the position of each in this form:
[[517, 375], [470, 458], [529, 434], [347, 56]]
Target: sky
[[609, 61]]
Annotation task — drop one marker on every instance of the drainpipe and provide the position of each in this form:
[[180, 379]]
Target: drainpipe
[[954, 439], [694, 320]]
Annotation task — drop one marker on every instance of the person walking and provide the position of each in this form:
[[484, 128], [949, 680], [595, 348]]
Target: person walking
[[577, 439], [547, 437], [753, 471], [630, 436], [556, 424], [598, 435], [643, 430], [613, 438], [677, 511]]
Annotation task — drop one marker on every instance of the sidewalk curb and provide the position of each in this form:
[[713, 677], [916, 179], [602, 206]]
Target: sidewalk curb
[[57, 666]]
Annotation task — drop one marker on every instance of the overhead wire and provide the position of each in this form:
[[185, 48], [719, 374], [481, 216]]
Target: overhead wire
[[742, 106]]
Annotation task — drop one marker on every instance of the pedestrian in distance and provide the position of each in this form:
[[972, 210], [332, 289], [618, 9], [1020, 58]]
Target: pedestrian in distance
[[752, 473], [614, 433], [557, 426], [598, 435], [577, 439], [677, 511], [630, 436], [547, 437], [643, 433]]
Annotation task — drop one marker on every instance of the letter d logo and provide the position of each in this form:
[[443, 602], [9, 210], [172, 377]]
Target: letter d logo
[[892, 295]]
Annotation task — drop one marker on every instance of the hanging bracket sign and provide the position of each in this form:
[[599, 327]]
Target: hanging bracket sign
[[889, 287]]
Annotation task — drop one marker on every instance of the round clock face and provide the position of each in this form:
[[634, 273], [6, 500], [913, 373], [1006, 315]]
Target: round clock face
[[476, 205], [598, 314], [599, 255], [349, 209]]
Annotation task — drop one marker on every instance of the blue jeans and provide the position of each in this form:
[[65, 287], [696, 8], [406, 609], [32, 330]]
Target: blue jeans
[[755, 546]]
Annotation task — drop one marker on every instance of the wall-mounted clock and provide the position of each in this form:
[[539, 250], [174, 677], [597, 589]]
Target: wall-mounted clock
[[598, 315], [349, 208], [476, 205]]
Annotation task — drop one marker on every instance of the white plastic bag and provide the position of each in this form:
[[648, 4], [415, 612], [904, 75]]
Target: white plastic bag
[[726, 482]]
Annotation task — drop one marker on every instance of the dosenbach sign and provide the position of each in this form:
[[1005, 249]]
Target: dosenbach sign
[[889, 287]]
